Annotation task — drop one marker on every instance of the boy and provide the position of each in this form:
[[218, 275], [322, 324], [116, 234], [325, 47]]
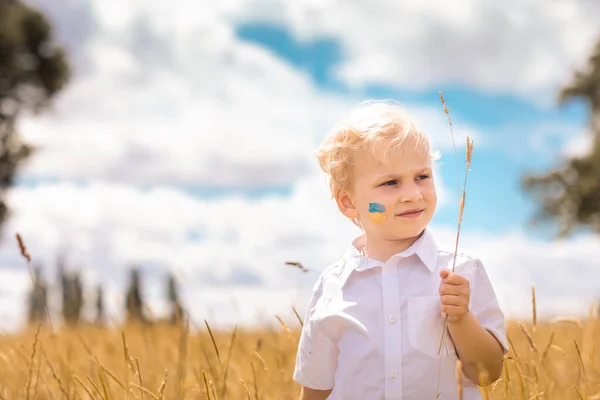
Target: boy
[[375, 319]]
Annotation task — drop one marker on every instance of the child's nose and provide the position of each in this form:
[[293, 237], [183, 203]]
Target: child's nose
[[410, 193]]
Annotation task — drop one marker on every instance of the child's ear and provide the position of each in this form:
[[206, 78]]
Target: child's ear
[[346, 205]]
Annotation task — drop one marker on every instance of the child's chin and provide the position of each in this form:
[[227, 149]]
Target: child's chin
[[413, 232]]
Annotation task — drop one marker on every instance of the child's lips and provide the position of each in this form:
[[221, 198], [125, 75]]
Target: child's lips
[[411, 213]]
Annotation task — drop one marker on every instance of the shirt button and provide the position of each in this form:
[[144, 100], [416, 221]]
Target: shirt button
[[392, 318], [394, 373]]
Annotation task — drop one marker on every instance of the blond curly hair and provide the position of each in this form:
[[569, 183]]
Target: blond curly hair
[[375, 128]]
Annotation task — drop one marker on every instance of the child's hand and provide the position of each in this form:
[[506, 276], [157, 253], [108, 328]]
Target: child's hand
[[455, 293]]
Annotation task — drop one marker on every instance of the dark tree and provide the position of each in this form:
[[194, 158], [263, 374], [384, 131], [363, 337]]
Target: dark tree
[[33, 69], [99, 305], [72, 294], [177, 312], [570, 194], [134, 303], [38, 298]]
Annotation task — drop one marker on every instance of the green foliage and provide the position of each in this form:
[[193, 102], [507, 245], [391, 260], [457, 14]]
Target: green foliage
[[570, 194], [33, 69]]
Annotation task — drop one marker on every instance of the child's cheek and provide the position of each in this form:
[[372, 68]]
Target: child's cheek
[[377, 212]]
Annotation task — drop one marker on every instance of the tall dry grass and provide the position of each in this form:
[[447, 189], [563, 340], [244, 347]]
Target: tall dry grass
[[548, 360]]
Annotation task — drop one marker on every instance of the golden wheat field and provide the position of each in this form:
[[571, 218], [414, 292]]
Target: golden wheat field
[[550, 360]]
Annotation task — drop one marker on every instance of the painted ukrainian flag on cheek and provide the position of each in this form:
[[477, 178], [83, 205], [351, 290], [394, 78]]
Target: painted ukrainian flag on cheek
[[376, 212]]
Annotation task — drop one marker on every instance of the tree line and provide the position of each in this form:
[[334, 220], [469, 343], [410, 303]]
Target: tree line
[[72, 296]]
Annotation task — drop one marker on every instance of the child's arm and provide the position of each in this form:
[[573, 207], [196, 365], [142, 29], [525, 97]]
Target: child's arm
[[316, 358], [475, 323], [474, 344], [312, 394]]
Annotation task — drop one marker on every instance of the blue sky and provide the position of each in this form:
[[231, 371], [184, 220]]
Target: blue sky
[[184, 143], [496, 201]]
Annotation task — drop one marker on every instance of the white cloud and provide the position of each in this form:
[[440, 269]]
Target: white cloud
[[164, 94], [235, 248], [168, 94], [578, 145], [523, 47]]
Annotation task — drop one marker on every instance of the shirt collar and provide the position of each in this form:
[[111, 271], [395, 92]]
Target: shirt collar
[[425, 248]]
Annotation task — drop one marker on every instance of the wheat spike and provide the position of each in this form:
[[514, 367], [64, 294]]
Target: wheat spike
[[468, 158]]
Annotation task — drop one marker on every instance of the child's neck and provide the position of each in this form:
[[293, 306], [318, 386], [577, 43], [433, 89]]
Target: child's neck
[[383, 249]]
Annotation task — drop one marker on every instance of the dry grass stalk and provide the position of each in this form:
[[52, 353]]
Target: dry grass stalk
[[95, 387], [511, 345], [286, 329], [529, 338], [533, 307], [212, 389], [246, 389], [452, 136], [567, 320], [127, 361], [547, 349], [262, 361], [520, 380], [298, 317], [483, 383], [31, 362], [144, 390], [223, 390], [100, 365], [587, 384], [181, 363], [103, 382], [212, 338], [56, 378], [76, 379], [139, 374], [459, 380], [468, 158], [133, 393], [25, 253], [161, 388], [506, 379], [256, 397], [298, 265], [23, 248], [206, 385], [39, 367], [209, 363]]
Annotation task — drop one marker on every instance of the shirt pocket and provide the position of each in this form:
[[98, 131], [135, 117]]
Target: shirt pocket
[[425, 327]]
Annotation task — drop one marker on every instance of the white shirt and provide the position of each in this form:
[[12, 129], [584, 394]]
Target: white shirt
[[372, 329]]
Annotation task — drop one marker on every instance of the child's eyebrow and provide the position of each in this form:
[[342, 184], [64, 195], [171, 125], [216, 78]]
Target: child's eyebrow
[[423, 169], [396, 175]]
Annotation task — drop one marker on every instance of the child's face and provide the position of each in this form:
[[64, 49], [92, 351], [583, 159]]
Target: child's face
[[394, 201]]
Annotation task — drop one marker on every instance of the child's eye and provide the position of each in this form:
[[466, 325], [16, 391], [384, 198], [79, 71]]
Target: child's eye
[[391, 182], [424, 176]]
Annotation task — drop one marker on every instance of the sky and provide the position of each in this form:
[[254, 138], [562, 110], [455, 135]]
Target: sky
[[185, 142]]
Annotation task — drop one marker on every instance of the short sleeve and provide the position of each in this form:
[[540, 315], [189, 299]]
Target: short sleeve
[[484, 305], [316, 359]]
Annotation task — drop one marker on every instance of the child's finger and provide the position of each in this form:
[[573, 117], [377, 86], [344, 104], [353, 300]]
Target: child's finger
[[444, 273], [452, 300], [452, 310], [450, 289], [454, 279]]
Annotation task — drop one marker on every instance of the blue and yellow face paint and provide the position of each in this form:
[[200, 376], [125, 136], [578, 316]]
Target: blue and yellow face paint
[[376, 212]]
